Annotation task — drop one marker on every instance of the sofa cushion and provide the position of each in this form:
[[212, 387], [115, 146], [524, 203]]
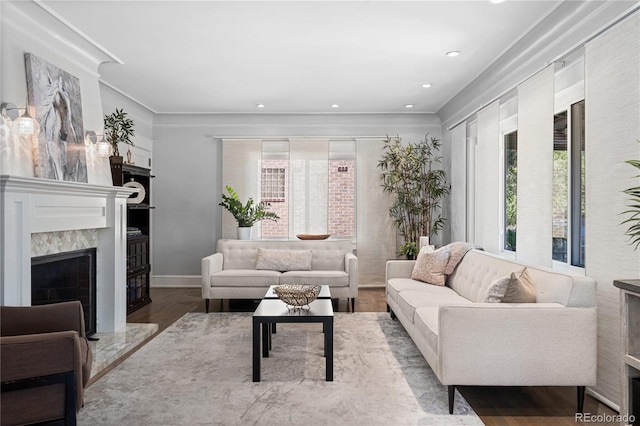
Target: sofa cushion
[[330, 278], [477, 271], [430, 266], [497, 289], [245, 278], [426, 321], [284, 260], [409, 301], [520, 289], [396, 285]]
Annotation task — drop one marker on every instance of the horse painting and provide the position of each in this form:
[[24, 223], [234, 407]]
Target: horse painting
[[60, 151]]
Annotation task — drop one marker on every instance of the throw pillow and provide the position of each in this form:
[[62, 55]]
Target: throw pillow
[[521, 289], [458, 250], [497, 290], [284, 260], [430, 266]]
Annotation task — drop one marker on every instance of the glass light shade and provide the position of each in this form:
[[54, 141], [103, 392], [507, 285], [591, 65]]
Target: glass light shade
[[26, 125], [104, 149]]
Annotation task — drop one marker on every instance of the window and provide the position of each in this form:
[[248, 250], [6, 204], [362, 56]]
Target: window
[[311, 185], [273, 184], [510, 189], [569, 186]]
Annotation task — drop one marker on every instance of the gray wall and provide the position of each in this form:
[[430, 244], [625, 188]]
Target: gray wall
[[187, 164]]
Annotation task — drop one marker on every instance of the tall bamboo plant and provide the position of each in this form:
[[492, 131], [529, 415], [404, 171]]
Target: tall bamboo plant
[[634, 210], [410, 172]]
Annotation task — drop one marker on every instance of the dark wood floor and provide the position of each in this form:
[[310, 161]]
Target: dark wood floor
[[495, 405]]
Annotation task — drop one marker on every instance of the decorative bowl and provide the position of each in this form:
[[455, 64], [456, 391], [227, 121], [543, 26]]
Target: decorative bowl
[[297, 294], [313, 236]]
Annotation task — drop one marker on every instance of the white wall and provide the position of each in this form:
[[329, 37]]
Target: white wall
[[27, 27], [188, 164]]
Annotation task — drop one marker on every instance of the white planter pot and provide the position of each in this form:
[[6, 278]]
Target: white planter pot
[[244, 232]]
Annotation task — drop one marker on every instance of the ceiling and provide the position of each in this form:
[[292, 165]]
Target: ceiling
[[298, 56]]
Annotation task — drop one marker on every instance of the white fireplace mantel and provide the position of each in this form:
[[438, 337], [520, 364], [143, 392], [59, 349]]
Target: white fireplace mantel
[[32, 205]]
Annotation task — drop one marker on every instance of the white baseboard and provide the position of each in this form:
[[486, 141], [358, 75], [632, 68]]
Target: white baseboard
[[182, 281], [194, 281], [602, 399]]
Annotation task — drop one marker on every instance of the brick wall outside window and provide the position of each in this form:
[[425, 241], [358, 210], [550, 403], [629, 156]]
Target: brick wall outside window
[[342, 198]]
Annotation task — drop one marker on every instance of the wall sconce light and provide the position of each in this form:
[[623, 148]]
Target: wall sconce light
[[104, 148], [25, 124], [10, 111]]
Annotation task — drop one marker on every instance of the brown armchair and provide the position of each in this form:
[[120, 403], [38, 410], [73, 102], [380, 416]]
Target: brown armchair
[[45, 362]]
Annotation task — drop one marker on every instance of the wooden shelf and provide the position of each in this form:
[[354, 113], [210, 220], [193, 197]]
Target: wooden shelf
[[138, 246]]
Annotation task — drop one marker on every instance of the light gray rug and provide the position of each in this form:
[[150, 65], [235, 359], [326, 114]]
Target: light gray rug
[[198, 372]]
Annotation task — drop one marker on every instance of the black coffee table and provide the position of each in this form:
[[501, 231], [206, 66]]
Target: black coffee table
[[272, 310]]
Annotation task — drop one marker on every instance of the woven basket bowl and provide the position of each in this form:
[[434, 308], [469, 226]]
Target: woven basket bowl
[[297, 294]]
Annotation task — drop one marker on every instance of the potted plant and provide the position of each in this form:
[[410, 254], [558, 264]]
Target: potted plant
[[409, 174], [634, 210], [118, 128], [246, 214], [409, 249]]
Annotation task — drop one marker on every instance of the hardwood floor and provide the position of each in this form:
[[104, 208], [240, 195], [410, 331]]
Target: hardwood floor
[[495, 405]]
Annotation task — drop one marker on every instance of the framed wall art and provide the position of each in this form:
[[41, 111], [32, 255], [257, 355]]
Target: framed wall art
[[55, 103]]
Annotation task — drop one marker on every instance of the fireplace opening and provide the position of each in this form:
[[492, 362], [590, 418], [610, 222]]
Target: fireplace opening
[[64, 277]]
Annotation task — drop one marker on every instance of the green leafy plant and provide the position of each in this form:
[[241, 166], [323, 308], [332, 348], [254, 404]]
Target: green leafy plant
[[634, 210], [409, 249], [118, 128], [246, 214], [409, 172]]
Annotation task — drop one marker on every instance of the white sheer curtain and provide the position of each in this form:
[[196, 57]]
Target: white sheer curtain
[[459, 183], [241, 168], [488, 183], [535, 168]]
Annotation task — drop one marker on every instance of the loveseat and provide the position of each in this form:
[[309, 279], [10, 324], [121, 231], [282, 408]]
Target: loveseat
[[468, 341], [244, 269]]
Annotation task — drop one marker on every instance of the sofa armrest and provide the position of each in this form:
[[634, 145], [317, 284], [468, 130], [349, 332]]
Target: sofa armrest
[[398, 269], [351, 268], [63, 316], [533, 344], [35, 355], [210, 265]]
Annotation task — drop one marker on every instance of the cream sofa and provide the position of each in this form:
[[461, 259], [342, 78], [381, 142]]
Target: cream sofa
[[466, 342], [231, 272]]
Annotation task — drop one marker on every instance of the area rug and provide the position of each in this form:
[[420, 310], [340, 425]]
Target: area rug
[[198, 372]]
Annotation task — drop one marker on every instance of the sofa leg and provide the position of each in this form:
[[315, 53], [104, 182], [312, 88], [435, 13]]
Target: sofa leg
[[206, 305], [392, 314], [452, 393], [353, 305], [388, 308], [581, 392]]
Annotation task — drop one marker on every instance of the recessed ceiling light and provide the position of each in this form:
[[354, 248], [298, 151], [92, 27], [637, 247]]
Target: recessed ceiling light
[[453, 53], [426, 85], [496, 1], [260, 106], [335, 106], [409, 106]]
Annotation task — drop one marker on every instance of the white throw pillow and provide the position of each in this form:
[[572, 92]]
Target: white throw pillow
[[430, 265], [497, 289], [284, 260]]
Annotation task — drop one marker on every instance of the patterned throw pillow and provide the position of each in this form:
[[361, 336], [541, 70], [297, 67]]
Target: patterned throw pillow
[[430, 266], [284, 260], [497, 289], [521, 289]]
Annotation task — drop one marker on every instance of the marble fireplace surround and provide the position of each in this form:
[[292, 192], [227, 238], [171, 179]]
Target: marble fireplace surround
[[35, 206]]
